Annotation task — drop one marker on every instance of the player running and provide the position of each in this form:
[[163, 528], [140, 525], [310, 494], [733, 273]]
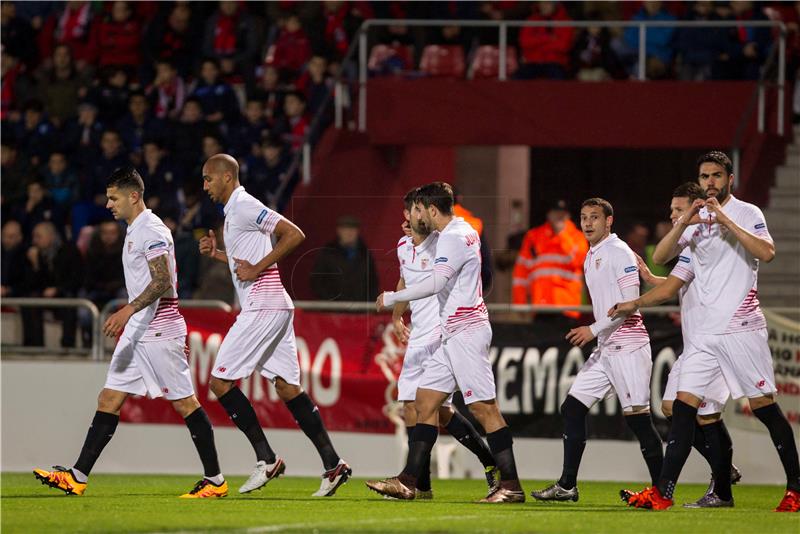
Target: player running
[[263, 335], [150, 355], [415, 253], [711, 436], [621, 359], [462, 361], [731, 340]]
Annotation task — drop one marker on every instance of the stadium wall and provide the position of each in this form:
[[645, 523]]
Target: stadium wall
[[47, 407]]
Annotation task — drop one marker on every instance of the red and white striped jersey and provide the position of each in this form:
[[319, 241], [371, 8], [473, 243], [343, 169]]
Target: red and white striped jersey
[[458, 256], [147, 238], [610, 267], [416, 264], [726, 274], [248, 225]]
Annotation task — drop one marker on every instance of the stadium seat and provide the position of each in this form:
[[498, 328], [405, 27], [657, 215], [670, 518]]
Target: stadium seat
[[389, 59], [486, 62], [443, 61]]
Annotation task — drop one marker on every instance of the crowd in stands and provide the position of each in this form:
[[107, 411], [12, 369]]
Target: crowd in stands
[[88, 87]]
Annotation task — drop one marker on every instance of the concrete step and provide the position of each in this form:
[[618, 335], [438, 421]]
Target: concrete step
[[784, 202], [787, 176]]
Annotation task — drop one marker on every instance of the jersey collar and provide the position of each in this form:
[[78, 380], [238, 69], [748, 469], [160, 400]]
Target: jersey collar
[[232, 198], [600, 245], [426, 243], [144, 215]]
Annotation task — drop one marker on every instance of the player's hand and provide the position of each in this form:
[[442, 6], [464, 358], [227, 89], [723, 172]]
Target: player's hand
[[406, 227], [379, 306], [245, 271], [116, 323], [644, 270], [208, 244], [401, 330], [622, 309], [580, 336], [713, 207], [693, 215]]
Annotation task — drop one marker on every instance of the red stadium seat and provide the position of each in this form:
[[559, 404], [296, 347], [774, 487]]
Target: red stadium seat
[[486, 62], [389, 59], [443, 61]]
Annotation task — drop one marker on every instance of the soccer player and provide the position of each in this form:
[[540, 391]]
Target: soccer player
[[150, 355], [416, 255], [711, 438], [263, 335], [727, 245], [621, 359], [462, 360]]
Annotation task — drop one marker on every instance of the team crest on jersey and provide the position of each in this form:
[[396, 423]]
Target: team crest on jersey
[[597, 263], [424, 263], [130, 246]]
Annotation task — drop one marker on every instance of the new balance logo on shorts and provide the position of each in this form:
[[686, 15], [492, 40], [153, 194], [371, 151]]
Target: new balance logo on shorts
[[222, 369], [468, 393], [166, 390], [761, 384]]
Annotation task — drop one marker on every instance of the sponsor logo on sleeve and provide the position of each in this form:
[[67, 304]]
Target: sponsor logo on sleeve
[[261, 216], [441, 259], [760, 226], [157, 245], [684, 259], [631, 269]]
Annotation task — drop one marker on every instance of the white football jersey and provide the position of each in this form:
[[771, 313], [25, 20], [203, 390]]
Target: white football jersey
[[691, 312], [458, 254], [147, 238], [726, 274], [610, 267], [248, 225], [416, 264]]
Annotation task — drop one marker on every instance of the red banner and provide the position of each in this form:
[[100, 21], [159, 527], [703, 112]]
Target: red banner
[[337, 355]]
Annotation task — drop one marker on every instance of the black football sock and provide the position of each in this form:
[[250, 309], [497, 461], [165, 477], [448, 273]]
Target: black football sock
[[203, 436], [419, 453], [501, 445], [244, 417], [649, 442], [462, 430], [100, 433], [424, 478], [310, 422], [679, 444], [574, 413], [782, 437], [718, 442], [702, 446]]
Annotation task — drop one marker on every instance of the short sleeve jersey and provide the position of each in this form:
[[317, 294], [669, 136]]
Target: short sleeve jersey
[[248, 226], [726, 274], [458, 255], [691, 312], [610, 267], [148, 238], [416, 264]]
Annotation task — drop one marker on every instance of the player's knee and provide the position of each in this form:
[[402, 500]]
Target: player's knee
[[690, 399], [709, 418], [220, 387], [761, 402], [666, 408], [484, 411], [445, 415], [572, 408], [186, 406], [110, 401], [285, 390]]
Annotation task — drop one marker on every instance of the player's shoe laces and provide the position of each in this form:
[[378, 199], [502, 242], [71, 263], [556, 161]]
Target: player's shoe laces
[[60, 478], [391, 487], [649, 498], [790, 502], [206, 489], [492, 474], [504, 495], [332, 479], [710, 500], [626, 494], [556, 493], [262, 474]]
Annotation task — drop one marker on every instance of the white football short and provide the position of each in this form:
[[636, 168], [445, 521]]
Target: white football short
[[152, 368], [462, 363], [263, 340], [742, 358], [716, 396], [627, 371], [414, 361]]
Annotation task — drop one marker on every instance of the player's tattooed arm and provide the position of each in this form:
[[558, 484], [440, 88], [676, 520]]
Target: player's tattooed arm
[[159, 283]]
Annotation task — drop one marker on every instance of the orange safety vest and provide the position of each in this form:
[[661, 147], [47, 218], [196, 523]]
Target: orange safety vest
[[464, 213], [549, 267]]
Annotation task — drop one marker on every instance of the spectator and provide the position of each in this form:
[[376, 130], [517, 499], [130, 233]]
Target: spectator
[[168, 91], [271, 93], [335, 28], [264, 169], [15, 172], [51, 274], [82, 135], [70, 26], [34, 133], [315, 83], [187, 256], [62, 181], [545, 51], [187, 134], [15, 83], [60, 86], [112, 94], [231, 39], [294, 125], [706, 53], [14, 263], [459, 210], [248, 132], [754, 43], [292, 49], [117, 38], [38, 207], [658, 45], [162, 179], [637, 238], [593, 59], [549, 267], [344, 270], [215, 96], [138, 123], [112, 156], [198, 213], [105, 280], [17, 35], [173, 40]]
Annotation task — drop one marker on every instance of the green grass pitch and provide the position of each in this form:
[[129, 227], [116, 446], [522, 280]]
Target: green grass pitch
[[139, 503]]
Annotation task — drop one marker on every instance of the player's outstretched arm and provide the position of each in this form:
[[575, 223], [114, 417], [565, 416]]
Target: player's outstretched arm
[[289, 238], [669, 246], [159, 283], [661, 293], [429, 286], [646, 274]]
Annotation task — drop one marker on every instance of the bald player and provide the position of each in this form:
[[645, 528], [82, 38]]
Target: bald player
[[262, 338]]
